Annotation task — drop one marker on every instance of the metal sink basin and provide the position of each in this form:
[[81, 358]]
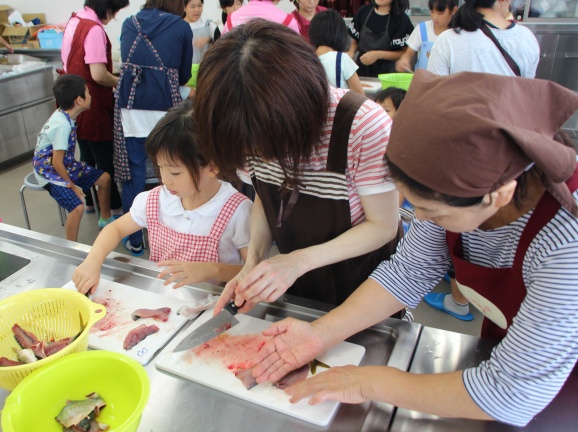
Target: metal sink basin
[[10, 264]]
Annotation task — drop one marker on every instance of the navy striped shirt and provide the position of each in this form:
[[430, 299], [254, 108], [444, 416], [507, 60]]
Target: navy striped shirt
[[528, 368]]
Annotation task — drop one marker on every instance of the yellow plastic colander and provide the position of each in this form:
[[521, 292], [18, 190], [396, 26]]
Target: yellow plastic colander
[[51, 314], [121, 381]]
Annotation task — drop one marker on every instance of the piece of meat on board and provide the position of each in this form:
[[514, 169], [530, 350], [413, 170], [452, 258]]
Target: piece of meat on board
[[138, 334], [161, 314], [293, 377], [246, 377]]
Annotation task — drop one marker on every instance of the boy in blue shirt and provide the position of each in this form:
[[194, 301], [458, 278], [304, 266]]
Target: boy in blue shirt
[[54, 164]]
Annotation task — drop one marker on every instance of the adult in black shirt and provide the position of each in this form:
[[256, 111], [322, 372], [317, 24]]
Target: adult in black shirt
[[380, 32]]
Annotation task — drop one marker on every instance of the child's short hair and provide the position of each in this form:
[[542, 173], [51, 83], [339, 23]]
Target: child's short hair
[[328, 28], [175, 137], [395, 94], [442, 5], [67, 88]]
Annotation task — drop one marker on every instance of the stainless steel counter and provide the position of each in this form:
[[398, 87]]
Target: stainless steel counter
[[179, 404]]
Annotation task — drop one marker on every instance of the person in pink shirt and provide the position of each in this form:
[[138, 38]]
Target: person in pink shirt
[[86, 51], [265, 9], [306, 10]]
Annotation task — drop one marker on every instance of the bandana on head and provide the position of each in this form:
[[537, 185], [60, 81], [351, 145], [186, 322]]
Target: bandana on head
[[467, 134]]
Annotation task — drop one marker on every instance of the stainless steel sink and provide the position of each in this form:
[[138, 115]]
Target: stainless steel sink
[[10, 264]]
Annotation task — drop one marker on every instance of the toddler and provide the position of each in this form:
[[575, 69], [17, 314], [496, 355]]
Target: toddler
[[390, 99]]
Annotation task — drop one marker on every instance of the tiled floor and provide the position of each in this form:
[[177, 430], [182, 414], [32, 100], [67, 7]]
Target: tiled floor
[[43, 215]]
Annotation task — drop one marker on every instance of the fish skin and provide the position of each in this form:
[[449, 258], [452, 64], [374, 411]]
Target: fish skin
[[246, 377], [75, 411], [26, 356], [24, 338], [293, 377], [161, 314], [138, 334], [7, 362], [54, 347]]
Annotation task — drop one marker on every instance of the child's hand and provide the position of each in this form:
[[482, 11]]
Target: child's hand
[[86, 277], [184, 273], [77, 190], [201, 42], [403, 65]]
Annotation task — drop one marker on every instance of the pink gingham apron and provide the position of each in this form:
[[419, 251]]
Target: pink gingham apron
[[169, 244]]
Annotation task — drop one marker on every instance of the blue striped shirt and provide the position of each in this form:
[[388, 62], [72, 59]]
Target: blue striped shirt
[[530, 365]]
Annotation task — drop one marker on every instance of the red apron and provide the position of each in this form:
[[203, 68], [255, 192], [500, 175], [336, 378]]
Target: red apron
[[499, 292], [169, 244], [96, 123]]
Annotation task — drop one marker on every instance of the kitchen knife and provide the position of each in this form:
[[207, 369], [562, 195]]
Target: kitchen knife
[[212, 328]]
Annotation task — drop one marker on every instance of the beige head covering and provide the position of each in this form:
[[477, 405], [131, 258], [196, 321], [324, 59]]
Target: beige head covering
[[467, 134]]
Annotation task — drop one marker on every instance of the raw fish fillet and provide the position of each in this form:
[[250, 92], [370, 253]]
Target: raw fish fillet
[[77, 411], [7, 362], [161, 314], [54, 347], [25, 338], [246, 377], [293, 377], [138, 334]]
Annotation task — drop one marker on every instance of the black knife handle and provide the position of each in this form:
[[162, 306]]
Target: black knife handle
[[232, 308]]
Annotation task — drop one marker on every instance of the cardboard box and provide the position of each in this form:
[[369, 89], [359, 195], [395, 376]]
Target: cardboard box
[[33, 42], [18, 36], [4, 12]]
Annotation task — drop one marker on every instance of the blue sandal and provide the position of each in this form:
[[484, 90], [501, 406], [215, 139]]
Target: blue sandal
[[436, 300]]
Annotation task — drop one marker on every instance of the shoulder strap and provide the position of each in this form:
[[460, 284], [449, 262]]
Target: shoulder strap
[[338, 69], [287, 20], [511, 62], [423, 31], [229, 22], [344, 116]]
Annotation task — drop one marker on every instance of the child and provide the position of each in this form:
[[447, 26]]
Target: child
[[425, 34], [328, 34], [228, 7], [390, 99], [198, 225], [204, 31], [54, 164]]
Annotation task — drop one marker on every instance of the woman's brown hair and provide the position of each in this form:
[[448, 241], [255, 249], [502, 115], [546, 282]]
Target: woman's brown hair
[[175, 7], [261, 92]]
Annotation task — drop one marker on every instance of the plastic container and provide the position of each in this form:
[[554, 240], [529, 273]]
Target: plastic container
[[50, 313], [399, 80], [194, 72], [50, 39], [119, 380]]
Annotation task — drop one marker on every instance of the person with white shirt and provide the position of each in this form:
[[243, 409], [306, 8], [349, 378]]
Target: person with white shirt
[[198, 225]]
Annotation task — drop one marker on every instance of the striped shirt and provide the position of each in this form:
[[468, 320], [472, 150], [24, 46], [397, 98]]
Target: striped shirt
[[529, 366], [366, 173]]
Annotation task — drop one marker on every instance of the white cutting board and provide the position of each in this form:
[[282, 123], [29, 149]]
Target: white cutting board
[[214, 374], [371, 86], [122, 300]]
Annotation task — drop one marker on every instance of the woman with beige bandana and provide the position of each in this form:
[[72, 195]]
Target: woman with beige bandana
[[505, 215]]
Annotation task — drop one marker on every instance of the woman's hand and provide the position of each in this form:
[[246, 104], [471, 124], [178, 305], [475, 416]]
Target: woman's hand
[[184, 273], [369, 57], [86, 277], [343, 384], [294, 343], [270, 278]]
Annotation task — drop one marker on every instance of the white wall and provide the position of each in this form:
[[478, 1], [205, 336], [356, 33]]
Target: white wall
[[58, 11]]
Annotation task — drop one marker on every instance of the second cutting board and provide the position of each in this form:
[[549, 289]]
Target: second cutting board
[[121, 301]]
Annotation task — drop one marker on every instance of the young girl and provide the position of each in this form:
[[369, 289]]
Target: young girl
[[328, 35], [198, 226], [204, 30], [304, 13], [425, 34], [228, 7], [379, 31]]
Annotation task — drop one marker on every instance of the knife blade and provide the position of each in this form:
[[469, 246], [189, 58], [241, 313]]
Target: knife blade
[[212, 328]]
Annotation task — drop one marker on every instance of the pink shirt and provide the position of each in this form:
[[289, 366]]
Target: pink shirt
[[94, 44], [259, 9]]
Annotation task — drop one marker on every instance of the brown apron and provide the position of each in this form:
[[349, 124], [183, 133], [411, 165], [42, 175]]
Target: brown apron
[[298, 219], [95, 124], [499, 292]]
